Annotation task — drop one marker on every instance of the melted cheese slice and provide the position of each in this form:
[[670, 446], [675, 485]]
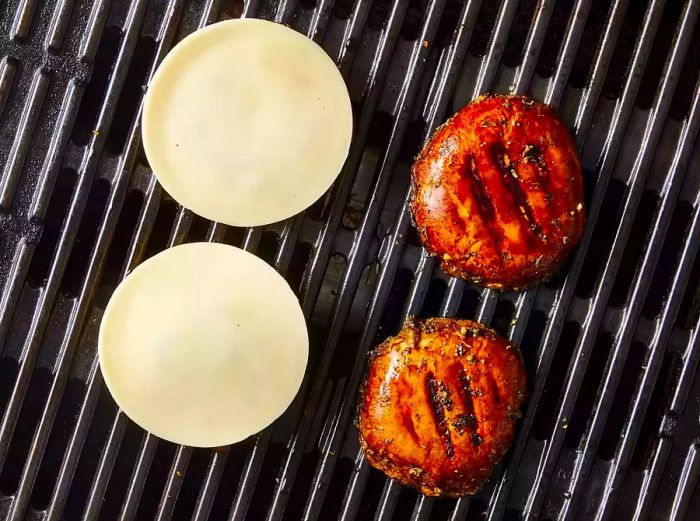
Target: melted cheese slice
[[203, 345], [247, 122]]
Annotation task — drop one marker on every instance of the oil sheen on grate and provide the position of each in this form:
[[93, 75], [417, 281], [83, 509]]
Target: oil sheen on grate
[[610, 430]]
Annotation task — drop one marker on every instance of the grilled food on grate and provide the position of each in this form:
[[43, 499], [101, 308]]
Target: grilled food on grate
[[498, 193], [439, 404]]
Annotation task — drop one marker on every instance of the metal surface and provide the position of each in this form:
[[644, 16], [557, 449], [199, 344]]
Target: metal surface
[[611, 344]]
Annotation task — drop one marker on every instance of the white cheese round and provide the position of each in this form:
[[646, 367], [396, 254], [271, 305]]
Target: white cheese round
[[203, 345], [247, 122]]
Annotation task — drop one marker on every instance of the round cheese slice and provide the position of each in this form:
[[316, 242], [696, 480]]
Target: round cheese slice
[[203, 345], [247, 122]]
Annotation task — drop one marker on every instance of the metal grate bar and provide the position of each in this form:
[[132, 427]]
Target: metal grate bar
[[422, 509], [172, 486], [572, 39], [351, 501], [631, 315], [138, 477], [489, 64], [652, 478], [531, 52], [252, 239], [10, 294], [353, 30], [600, 68], [419, 285], [210, 12], [183, 221], [93, 31], [691, 355], [8, 68], [27, 124], [23, 18], [216, 232], [70, 460], [50, 168], [59, 25], [207, 493], [285, 8], [450, 304], [686, 484], [249, 476], [249, 8], [154, 194], [387, 503], [320, 19]]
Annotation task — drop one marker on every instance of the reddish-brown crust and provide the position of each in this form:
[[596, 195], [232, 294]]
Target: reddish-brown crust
[[498, 193], [439, 405]]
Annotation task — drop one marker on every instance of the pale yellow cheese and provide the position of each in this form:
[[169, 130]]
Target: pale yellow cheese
[[203, 344], [247, 122]]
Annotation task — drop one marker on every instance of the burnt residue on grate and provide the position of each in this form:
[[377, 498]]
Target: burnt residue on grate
[[90, 58]]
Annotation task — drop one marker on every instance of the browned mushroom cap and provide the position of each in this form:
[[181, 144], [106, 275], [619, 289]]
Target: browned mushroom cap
[[498, 193], [439, 405]]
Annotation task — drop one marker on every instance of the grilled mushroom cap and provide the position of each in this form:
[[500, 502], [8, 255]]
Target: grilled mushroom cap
[[439, 404], [498, 193]]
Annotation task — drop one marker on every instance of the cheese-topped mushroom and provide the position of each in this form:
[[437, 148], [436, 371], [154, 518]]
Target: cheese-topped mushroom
[[247, 122], [203, 344]]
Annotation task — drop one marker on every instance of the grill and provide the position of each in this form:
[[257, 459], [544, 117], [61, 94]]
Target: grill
[[610, 429]]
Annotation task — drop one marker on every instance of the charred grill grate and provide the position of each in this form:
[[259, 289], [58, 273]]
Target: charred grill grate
[[611, 343]]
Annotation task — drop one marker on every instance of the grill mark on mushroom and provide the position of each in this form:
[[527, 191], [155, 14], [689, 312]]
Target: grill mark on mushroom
[[533, 154], [493, 387], [407, 418], [487, 211], [415, 332], [476, 439], [471, 173], [512, 185], [465, 392], [466, 420], [437, 408]]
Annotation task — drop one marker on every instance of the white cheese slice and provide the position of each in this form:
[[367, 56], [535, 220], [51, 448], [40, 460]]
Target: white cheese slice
[[247, 122], [203, 345]]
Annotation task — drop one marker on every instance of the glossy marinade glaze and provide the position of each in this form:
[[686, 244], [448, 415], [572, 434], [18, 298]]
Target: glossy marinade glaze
[[439, 404], [498, 193]]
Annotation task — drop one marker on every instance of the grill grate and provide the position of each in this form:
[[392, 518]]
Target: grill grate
[[611, 343]]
